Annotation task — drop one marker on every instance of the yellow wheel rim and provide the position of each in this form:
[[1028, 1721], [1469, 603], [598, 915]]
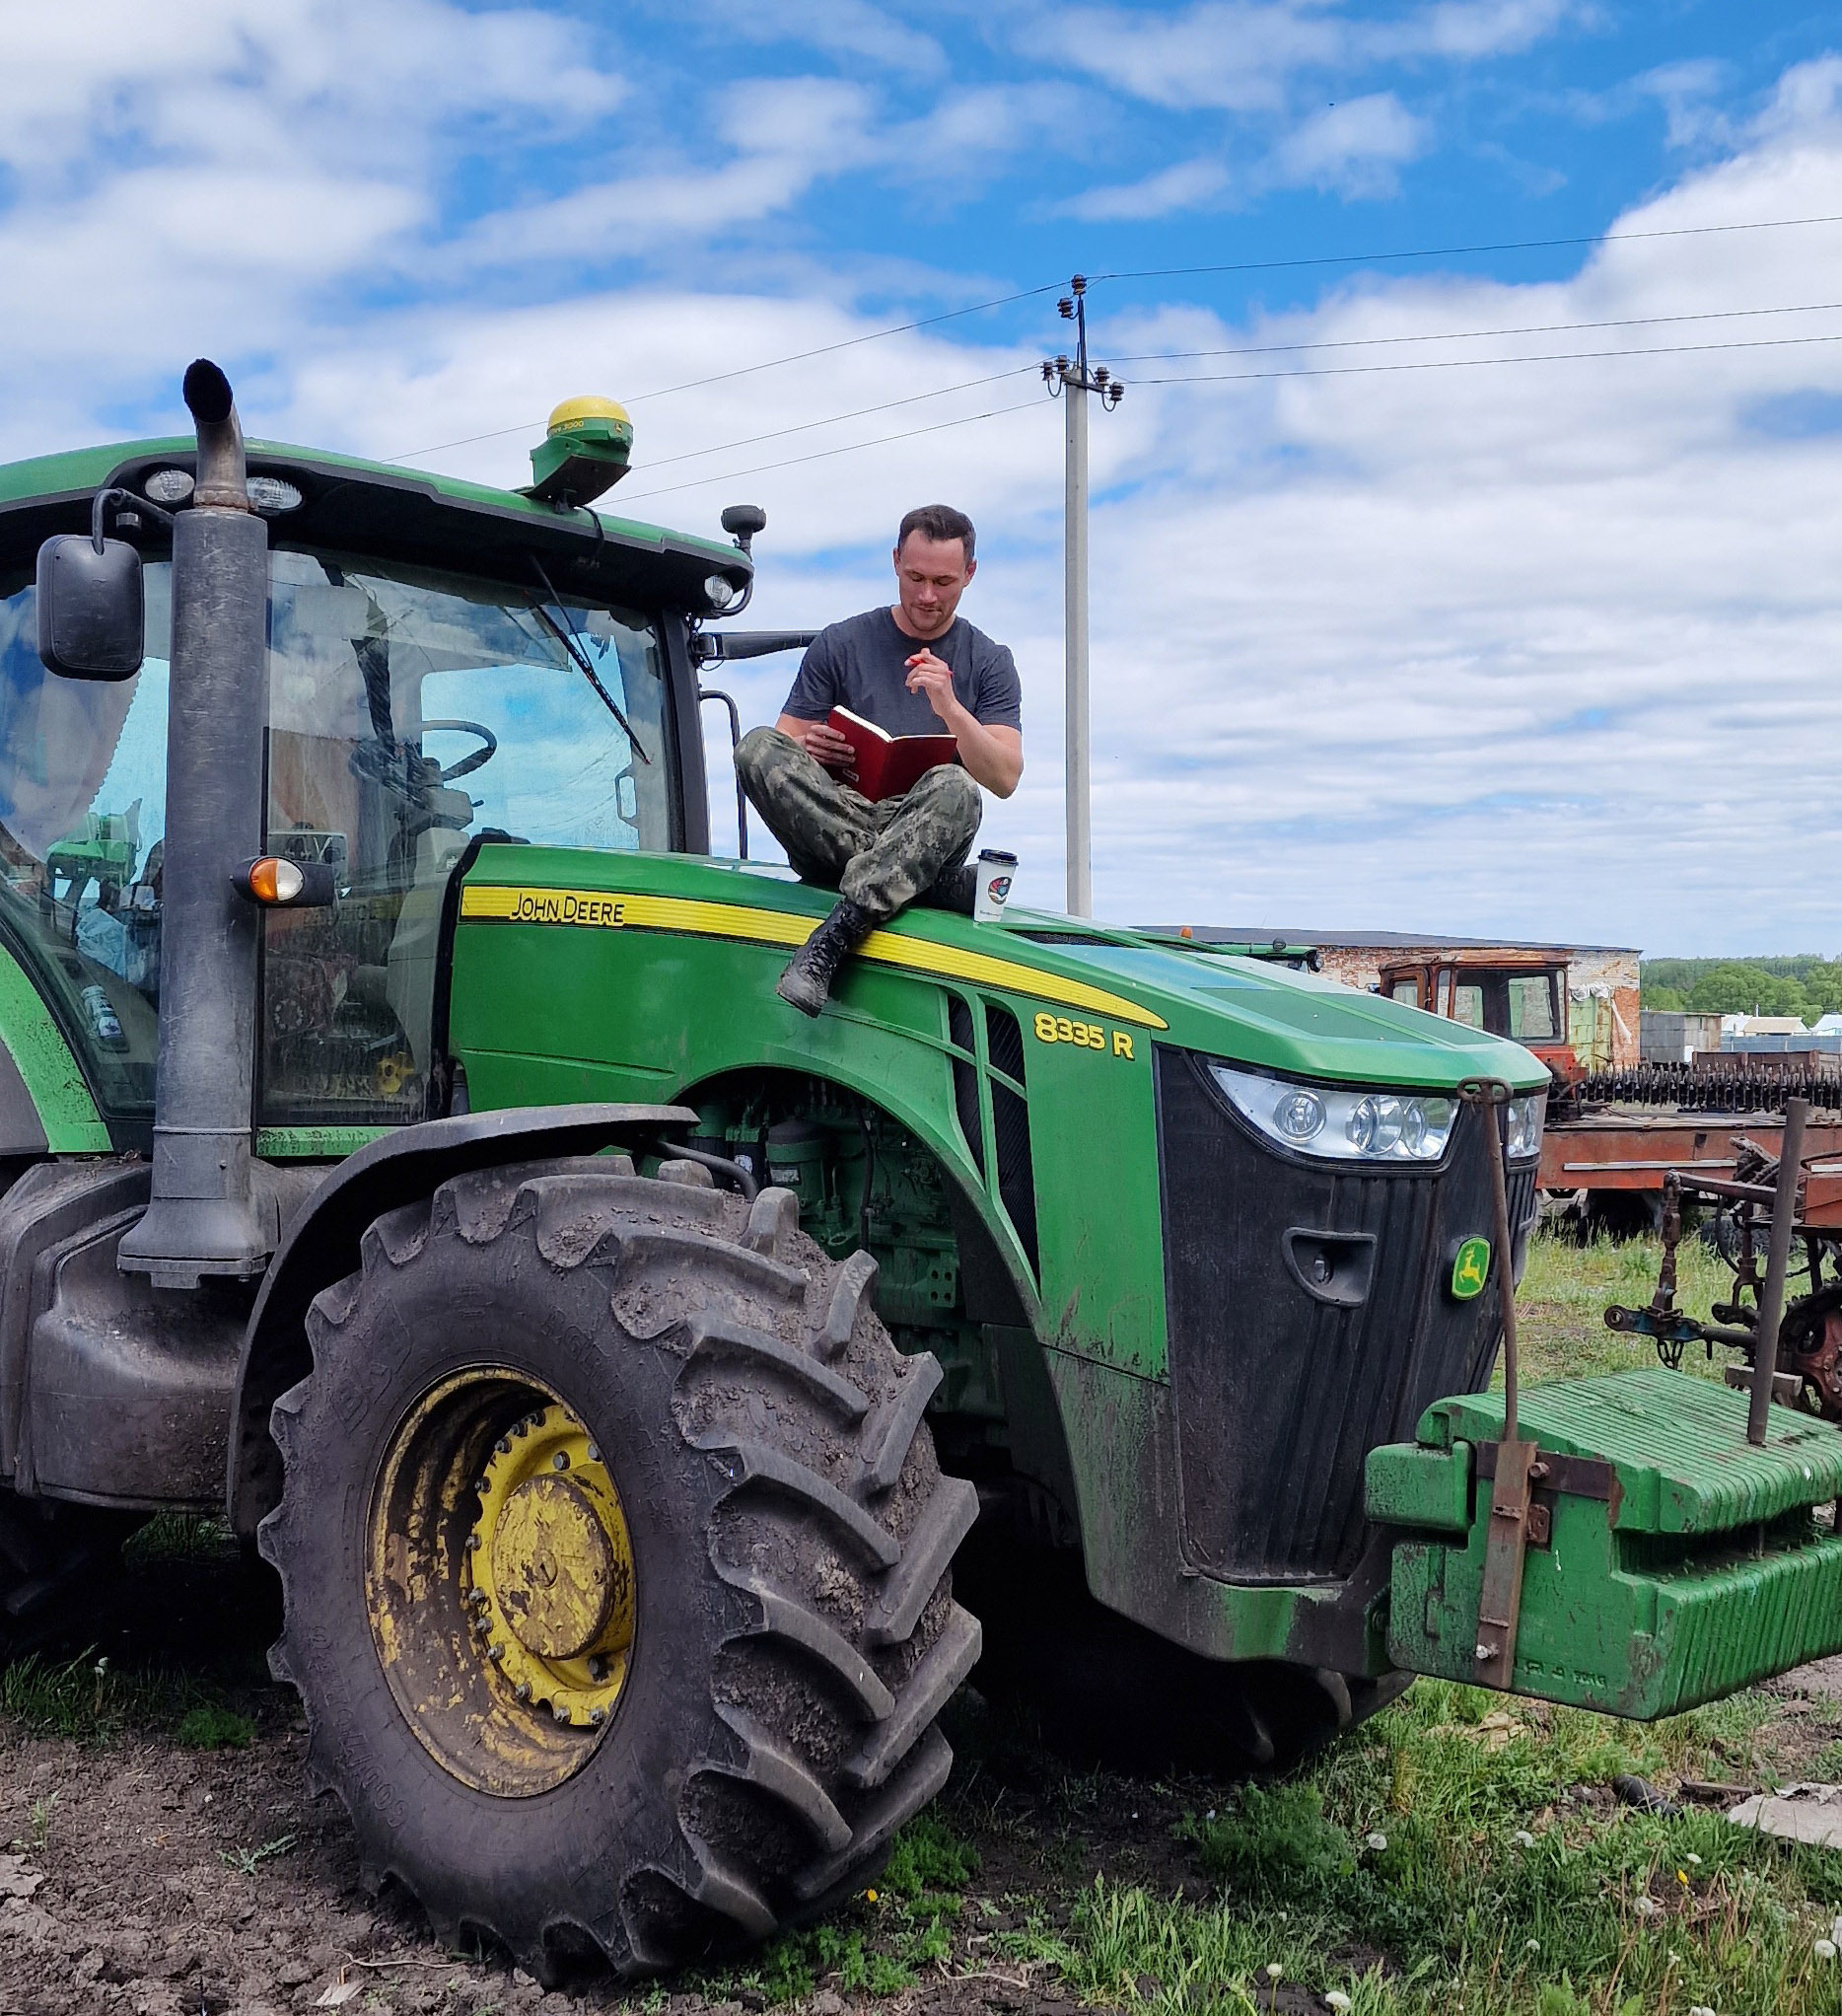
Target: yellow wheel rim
[[550, 1569], [499, 1581]]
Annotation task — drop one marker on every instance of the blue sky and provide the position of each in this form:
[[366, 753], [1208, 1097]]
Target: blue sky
[[1545, 648]]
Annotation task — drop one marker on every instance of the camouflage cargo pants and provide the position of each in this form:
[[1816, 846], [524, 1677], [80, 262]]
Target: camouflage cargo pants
[[880, 857]]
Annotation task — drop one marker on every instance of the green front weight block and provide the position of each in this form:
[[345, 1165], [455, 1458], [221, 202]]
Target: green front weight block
[[1671, 1562]]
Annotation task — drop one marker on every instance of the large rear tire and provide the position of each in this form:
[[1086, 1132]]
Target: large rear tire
[[614, 1557]]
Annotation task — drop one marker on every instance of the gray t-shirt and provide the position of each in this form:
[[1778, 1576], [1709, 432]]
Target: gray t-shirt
[[862, 664]]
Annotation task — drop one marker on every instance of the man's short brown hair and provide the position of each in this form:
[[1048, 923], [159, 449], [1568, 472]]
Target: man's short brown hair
[[937, 522]]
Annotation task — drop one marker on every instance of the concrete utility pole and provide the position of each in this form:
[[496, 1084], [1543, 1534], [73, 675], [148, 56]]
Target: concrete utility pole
[[1072, 381]]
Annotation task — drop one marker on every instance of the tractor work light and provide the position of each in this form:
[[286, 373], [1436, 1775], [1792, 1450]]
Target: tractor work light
[[272, 495], [1342, 1122], [719, 592], [171, 487]]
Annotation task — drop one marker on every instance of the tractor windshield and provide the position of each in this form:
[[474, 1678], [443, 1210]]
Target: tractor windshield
[[410, 711]]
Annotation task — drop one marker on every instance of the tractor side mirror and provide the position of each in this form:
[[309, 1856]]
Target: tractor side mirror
[[89, 608]]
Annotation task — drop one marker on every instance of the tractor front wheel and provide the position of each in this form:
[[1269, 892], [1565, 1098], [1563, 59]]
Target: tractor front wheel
[[614, 1555]]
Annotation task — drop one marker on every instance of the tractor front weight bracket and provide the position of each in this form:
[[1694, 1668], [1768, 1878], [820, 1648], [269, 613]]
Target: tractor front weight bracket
[[1500, 1596], [1506, 1543]]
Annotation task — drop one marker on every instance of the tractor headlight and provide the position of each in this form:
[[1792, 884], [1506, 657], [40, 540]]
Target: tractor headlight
[[719, 591], [272, 495], [1523, 1126], [1345, 1123]]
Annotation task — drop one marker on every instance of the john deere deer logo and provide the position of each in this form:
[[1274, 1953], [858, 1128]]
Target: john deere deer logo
[[1470, 1269]]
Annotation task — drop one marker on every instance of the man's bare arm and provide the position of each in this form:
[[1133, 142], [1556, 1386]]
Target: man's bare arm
[[993, 755], [822, 743]]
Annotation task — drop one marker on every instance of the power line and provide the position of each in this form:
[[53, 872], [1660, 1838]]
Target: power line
[[1248, 350], [1539, 329], [747, 370], [837, 419], [824, 453], [1147, 273], [1474, 363], [1449, 252], [1230, 378]]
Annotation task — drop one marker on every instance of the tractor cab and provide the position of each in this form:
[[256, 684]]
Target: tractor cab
[[414, 707], [1524, 1000]]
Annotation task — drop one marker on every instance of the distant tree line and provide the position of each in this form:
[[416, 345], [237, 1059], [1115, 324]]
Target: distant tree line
[[1805, 985]]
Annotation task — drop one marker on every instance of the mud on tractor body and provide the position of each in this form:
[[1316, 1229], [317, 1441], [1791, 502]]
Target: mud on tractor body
[[641, 1390]]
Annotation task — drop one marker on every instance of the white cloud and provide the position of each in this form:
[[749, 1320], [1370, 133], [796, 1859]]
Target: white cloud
[[1353, 148], [206, 176], [1685, 90], [1547, 650], [1245, 55], [1233, 54], [303, 75], [782, 135], [840, 27], [1181, 186], [1481, 28]]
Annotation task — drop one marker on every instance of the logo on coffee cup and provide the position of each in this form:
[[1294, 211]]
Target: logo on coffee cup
[[1000, 887]]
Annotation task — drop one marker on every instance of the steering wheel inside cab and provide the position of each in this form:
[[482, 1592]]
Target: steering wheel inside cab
[[401, 770]]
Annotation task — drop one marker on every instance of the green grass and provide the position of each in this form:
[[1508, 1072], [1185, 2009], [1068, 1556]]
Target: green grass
[[1458, 1848], [90, 1700], [897, 1929], [212, 1726], [1565, 1286]]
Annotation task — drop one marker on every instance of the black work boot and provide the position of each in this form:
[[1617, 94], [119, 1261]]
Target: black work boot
[[956, 890], [806, 982]]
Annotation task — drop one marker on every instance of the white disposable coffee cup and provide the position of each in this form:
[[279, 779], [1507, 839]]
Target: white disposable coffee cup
[[996, 871]]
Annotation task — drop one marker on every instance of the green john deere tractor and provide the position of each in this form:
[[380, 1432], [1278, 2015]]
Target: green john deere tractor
[[642, 1391]]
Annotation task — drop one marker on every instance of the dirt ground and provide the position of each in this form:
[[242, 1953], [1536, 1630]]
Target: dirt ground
[[152, 1879], [143, 1876], [138, 1874]]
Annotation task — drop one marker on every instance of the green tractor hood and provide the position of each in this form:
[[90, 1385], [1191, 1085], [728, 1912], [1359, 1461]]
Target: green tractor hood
[[1251, 1010]]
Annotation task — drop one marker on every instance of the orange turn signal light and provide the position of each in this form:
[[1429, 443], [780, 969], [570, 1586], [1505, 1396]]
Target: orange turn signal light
[[275, 880], [277, 883]]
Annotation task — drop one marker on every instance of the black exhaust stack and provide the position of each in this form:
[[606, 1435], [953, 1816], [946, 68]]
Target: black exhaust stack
[[205, 1218]]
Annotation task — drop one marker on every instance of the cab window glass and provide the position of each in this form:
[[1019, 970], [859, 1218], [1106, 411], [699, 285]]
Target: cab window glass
[[1467, 1004], [83, 798], [1408, 991], [1531, 1008], [410, 711]]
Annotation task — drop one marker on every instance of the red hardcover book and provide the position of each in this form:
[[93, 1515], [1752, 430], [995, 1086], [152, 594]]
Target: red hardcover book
[[889, 764]]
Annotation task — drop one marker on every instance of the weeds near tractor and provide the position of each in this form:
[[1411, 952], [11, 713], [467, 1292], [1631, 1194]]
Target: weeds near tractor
[[42, 1811], [1460, 1852], [880, 1945], [211, 1726], [246, 1861], [181, 1536], [1567, 1284], [91, 1700]]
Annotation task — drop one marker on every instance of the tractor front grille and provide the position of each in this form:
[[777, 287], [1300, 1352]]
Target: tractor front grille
[[1280, 1395]]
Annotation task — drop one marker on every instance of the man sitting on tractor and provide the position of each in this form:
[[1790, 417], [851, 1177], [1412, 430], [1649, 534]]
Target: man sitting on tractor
[[914, 668]]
